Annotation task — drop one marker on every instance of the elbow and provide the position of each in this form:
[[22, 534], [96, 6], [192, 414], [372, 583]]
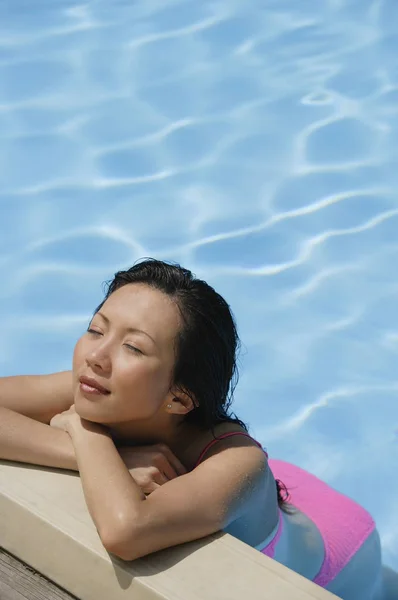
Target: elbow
[[119, 550], [122, 541]]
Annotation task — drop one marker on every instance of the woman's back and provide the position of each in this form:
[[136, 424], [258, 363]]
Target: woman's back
[[341, 530], [322, 534]]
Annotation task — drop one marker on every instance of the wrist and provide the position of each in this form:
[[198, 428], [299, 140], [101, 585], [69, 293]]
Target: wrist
[[79, 426]]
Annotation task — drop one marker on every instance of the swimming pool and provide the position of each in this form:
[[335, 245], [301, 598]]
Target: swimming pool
[[256, 146]]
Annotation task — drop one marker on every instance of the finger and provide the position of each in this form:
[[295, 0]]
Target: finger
[[166, 468], [151, 487], [161, 478], [174, 461]]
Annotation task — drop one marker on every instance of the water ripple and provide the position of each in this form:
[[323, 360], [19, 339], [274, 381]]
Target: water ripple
[[257, 145]]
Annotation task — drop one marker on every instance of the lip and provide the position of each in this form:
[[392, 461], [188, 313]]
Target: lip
[[91, 386]]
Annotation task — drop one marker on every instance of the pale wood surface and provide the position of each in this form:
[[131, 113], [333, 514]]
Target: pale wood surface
[[45, 523], [20, 582]]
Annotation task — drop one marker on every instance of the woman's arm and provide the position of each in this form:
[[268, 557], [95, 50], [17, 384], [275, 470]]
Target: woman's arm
[[39, 397], [187, 508], [25, 440], [109, 489]]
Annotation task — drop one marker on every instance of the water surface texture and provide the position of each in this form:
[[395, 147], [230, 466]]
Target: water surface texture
[[254, 142]]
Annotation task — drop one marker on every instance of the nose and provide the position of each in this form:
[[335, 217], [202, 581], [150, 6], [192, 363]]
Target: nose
[[98, 359]]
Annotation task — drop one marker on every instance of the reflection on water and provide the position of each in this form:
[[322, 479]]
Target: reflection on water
[[258, 146]]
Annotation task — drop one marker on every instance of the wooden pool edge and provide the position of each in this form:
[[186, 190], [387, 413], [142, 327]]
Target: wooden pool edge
[[45, 524]]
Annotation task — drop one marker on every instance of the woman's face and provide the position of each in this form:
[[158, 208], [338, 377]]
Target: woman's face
[[129, 351]]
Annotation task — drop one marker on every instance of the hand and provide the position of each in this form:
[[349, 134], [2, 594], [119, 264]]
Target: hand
[[70, 422], [65, 419], [151, 466]]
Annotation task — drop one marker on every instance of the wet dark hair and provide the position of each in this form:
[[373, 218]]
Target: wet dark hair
[[207, 345]]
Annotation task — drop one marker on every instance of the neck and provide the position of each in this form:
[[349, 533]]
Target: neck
[[171, 431]]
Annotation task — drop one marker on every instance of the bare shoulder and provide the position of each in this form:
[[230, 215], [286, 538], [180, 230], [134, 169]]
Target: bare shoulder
[[227, 485], [223, 487], [226, 437]]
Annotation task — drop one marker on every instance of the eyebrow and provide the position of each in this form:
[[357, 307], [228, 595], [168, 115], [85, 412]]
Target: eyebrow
[[129, 329]]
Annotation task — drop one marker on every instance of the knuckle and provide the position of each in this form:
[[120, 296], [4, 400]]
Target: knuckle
[[145, 480], [162, 448], [152, 472]]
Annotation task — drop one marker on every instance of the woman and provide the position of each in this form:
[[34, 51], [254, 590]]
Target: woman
[[144, 418]]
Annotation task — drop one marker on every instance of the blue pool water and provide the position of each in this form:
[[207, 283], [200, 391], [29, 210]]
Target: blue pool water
[[254, 142]]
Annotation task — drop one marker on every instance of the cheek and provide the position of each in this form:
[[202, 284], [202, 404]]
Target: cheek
[[144, 380], [78, 354], [132, 375]]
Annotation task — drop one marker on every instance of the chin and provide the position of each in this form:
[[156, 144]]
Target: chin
[[88, 412]]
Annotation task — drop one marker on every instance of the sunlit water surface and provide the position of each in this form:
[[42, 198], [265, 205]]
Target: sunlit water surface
[[256, 143]]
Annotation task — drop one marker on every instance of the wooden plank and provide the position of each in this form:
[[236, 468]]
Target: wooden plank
[[44, 522], [18, 581]]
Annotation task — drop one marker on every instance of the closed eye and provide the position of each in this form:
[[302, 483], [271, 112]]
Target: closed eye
[[133, 349], [128, 346]]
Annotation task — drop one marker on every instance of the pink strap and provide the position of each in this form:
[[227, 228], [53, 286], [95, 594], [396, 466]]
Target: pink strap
[[222, 437]]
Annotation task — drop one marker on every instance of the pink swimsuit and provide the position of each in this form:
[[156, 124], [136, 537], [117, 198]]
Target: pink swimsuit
[[343, 525]]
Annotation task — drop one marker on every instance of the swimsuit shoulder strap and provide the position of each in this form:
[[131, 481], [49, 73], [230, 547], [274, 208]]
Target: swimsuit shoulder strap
[[222, 437]]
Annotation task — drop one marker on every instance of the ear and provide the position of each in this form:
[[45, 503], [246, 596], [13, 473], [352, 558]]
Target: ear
[[179, 402]]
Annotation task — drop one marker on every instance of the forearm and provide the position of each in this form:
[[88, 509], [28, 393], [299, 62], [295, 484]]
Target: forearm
[[39, 397], [24, 440], [111, 494]]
